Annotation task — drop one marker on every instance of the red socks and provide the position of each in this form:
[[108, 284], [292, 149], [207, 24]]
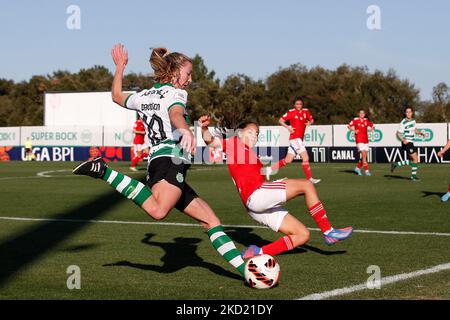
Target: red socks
[[279, 164], [279, 246], [135, 161], [320, 217], [449, 187], [366, 166], [307, 169], [359, 164]]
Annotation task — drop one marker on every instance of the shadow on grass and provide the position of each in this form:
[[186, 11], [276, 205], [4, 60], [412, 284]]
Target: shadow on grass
[[23, 249], [179, 254], [430, 194], [246, 237], [81, 247], [390, 176]]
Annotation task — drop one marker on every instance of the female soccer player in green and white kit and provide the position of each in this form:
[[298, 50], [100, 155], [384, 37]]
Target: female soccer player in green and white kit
[[163, 110], [406, 132]]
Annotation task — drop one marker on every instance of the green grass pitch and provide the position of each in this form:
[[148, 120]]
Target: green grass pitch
[[170, 261]]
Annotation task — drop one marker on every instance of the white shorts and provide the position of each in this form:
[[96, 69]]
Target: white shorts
[[363, 146], [264, 205], [296, 146]]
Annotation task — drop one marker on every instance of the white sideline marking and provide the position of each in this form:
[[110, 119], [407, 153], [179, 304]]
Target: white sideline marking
[[384, 281], [225, 225], [45, 173]]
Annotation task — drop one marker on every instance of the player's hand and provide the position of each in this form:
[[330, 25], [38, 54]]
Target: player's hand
[[188, 142], [404, 141], [440, 154], [204, 121], [356, 131], [291, 130], [119, 55]]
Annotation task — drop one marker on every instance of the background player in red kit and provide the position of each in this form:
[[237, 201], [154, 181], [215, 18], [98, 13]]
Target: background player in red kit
[[299, 118], [441, 153], [360, 125], [138, 143], [264, 200]]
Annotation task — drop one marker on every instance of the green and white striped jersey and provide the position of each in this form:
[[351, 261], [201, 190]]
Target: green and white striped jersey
[[408, 129], [153, 107]]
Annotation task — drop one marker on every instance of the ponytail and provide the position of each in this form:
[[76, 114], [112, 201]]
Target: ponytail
[[165, 64]]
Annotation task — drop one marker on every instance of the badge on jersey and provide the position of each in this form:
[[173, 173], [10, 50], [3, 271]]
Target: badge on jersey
[[180, 177]]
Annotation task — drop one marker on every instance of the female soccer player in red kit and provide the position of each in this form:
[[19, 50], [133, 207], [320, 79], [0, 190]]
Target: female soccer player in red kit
[[299, 118], [360, 125], [441, 153], [138, 143], [264, 200]]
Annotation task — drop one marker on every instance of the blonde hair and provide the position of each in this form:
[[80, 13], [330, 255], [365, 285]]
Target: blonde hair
[[166, 65]]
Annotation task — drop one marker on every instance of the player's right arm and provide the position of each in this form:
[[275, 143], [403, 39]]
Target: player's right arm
[[283, 123], [120, 57], [400, 136], [445, 149], [400, 131], [210, 140], [351, 126]]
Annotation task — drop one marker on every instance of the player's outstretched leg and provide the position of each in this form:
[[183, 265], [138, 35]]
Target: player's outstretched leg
[[130, 188], [446, 196], [226, 248], [296, 187], [295, 234]]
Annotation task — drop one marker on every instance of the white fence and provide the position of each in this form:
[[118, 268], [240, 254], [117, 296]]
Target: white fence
[[270, 136]]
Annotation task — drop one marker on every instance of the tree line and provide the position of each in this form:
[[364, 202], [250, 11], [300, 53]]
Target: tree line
[[333, 96]]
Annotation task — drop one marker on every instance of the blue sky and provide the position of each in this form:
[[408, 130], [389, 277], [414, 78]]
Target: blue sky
[[247, 36]]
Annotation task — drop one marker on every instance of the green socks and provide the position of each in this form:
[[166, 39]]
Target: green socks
[[414, 168], [130, 188], [226, 248], [413, 165], [402, 163]]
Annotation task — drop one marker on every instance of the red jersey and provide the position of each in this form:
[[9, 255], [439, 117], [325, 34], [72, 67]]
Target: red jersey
[[361, 125], [139, 126], [244, 165], [297, 120]]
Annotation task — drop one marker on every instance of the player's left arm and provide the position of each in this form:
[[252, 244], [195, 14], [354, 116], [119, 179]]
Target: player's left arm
[[176, 115], [310, 119], [419, 133], [210, 140]]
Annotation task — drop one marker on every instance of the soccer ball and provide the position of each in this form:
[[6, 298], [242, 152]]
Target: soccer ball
[[262, 272]]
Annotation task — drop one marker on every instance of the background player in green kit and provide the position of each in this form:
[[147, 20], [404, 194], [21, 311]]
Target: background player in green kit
[[163, 110], [406, 133]]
